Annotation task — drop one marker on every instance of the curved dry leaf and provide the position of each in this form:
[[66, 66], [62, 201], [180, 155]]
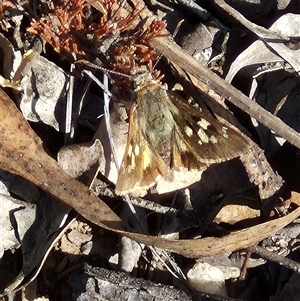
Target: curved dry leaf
[[251, 56], [260, 52], [22, 153], [212, 246]]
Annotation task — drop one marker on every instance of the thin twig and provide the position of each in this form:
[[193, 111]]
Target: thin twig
[[288, 263], [201, 12], [81, 102], [97, 81], [69, 125], [260, 31]]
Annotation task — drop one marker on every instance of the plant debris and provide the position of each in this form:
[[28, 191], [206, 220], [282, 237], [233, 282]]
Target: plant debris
[[70, 75]]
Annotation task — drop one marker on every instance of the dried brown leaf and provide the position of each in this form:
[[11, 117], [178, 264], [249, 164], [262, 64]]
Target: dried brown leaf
[[22, 153]]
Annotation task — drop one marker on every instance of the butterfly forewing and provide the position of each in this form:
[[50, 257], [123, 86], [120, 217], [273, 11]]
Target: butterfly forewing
[[201, 137]]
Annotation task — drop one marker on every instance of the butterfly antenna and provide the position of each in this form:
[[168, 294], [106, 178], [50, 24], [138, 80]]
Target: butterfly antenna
[[172, 37], [104, 70]]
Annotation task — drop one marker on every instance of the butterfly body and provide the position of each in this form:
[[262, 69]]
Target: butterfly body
[[166, 134], [154, 121]]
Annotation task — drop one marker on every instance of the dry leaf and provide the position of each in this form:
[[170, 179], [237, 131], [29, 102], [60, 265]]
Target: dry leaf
[[43, 93], [278, 92], [287, 25], [22, 153]]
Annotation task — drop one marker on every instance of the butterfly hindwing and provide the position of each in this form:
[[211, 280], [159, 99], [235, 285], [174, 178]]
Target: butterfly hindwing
[[141, 165]]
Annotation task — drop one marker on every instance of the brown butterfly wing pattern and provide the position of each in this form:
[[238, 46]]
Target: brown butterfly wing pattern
[[141, 165], [166, 133], [200, 137]]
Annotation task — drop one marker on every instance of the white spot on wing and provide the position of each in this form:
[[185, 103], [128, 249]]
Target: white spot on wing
[[132, 163], [213, 139], [203, 123], [224, 130], [188, 131], [129, 150], [146, 159], [136, 150], [202, 135]]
